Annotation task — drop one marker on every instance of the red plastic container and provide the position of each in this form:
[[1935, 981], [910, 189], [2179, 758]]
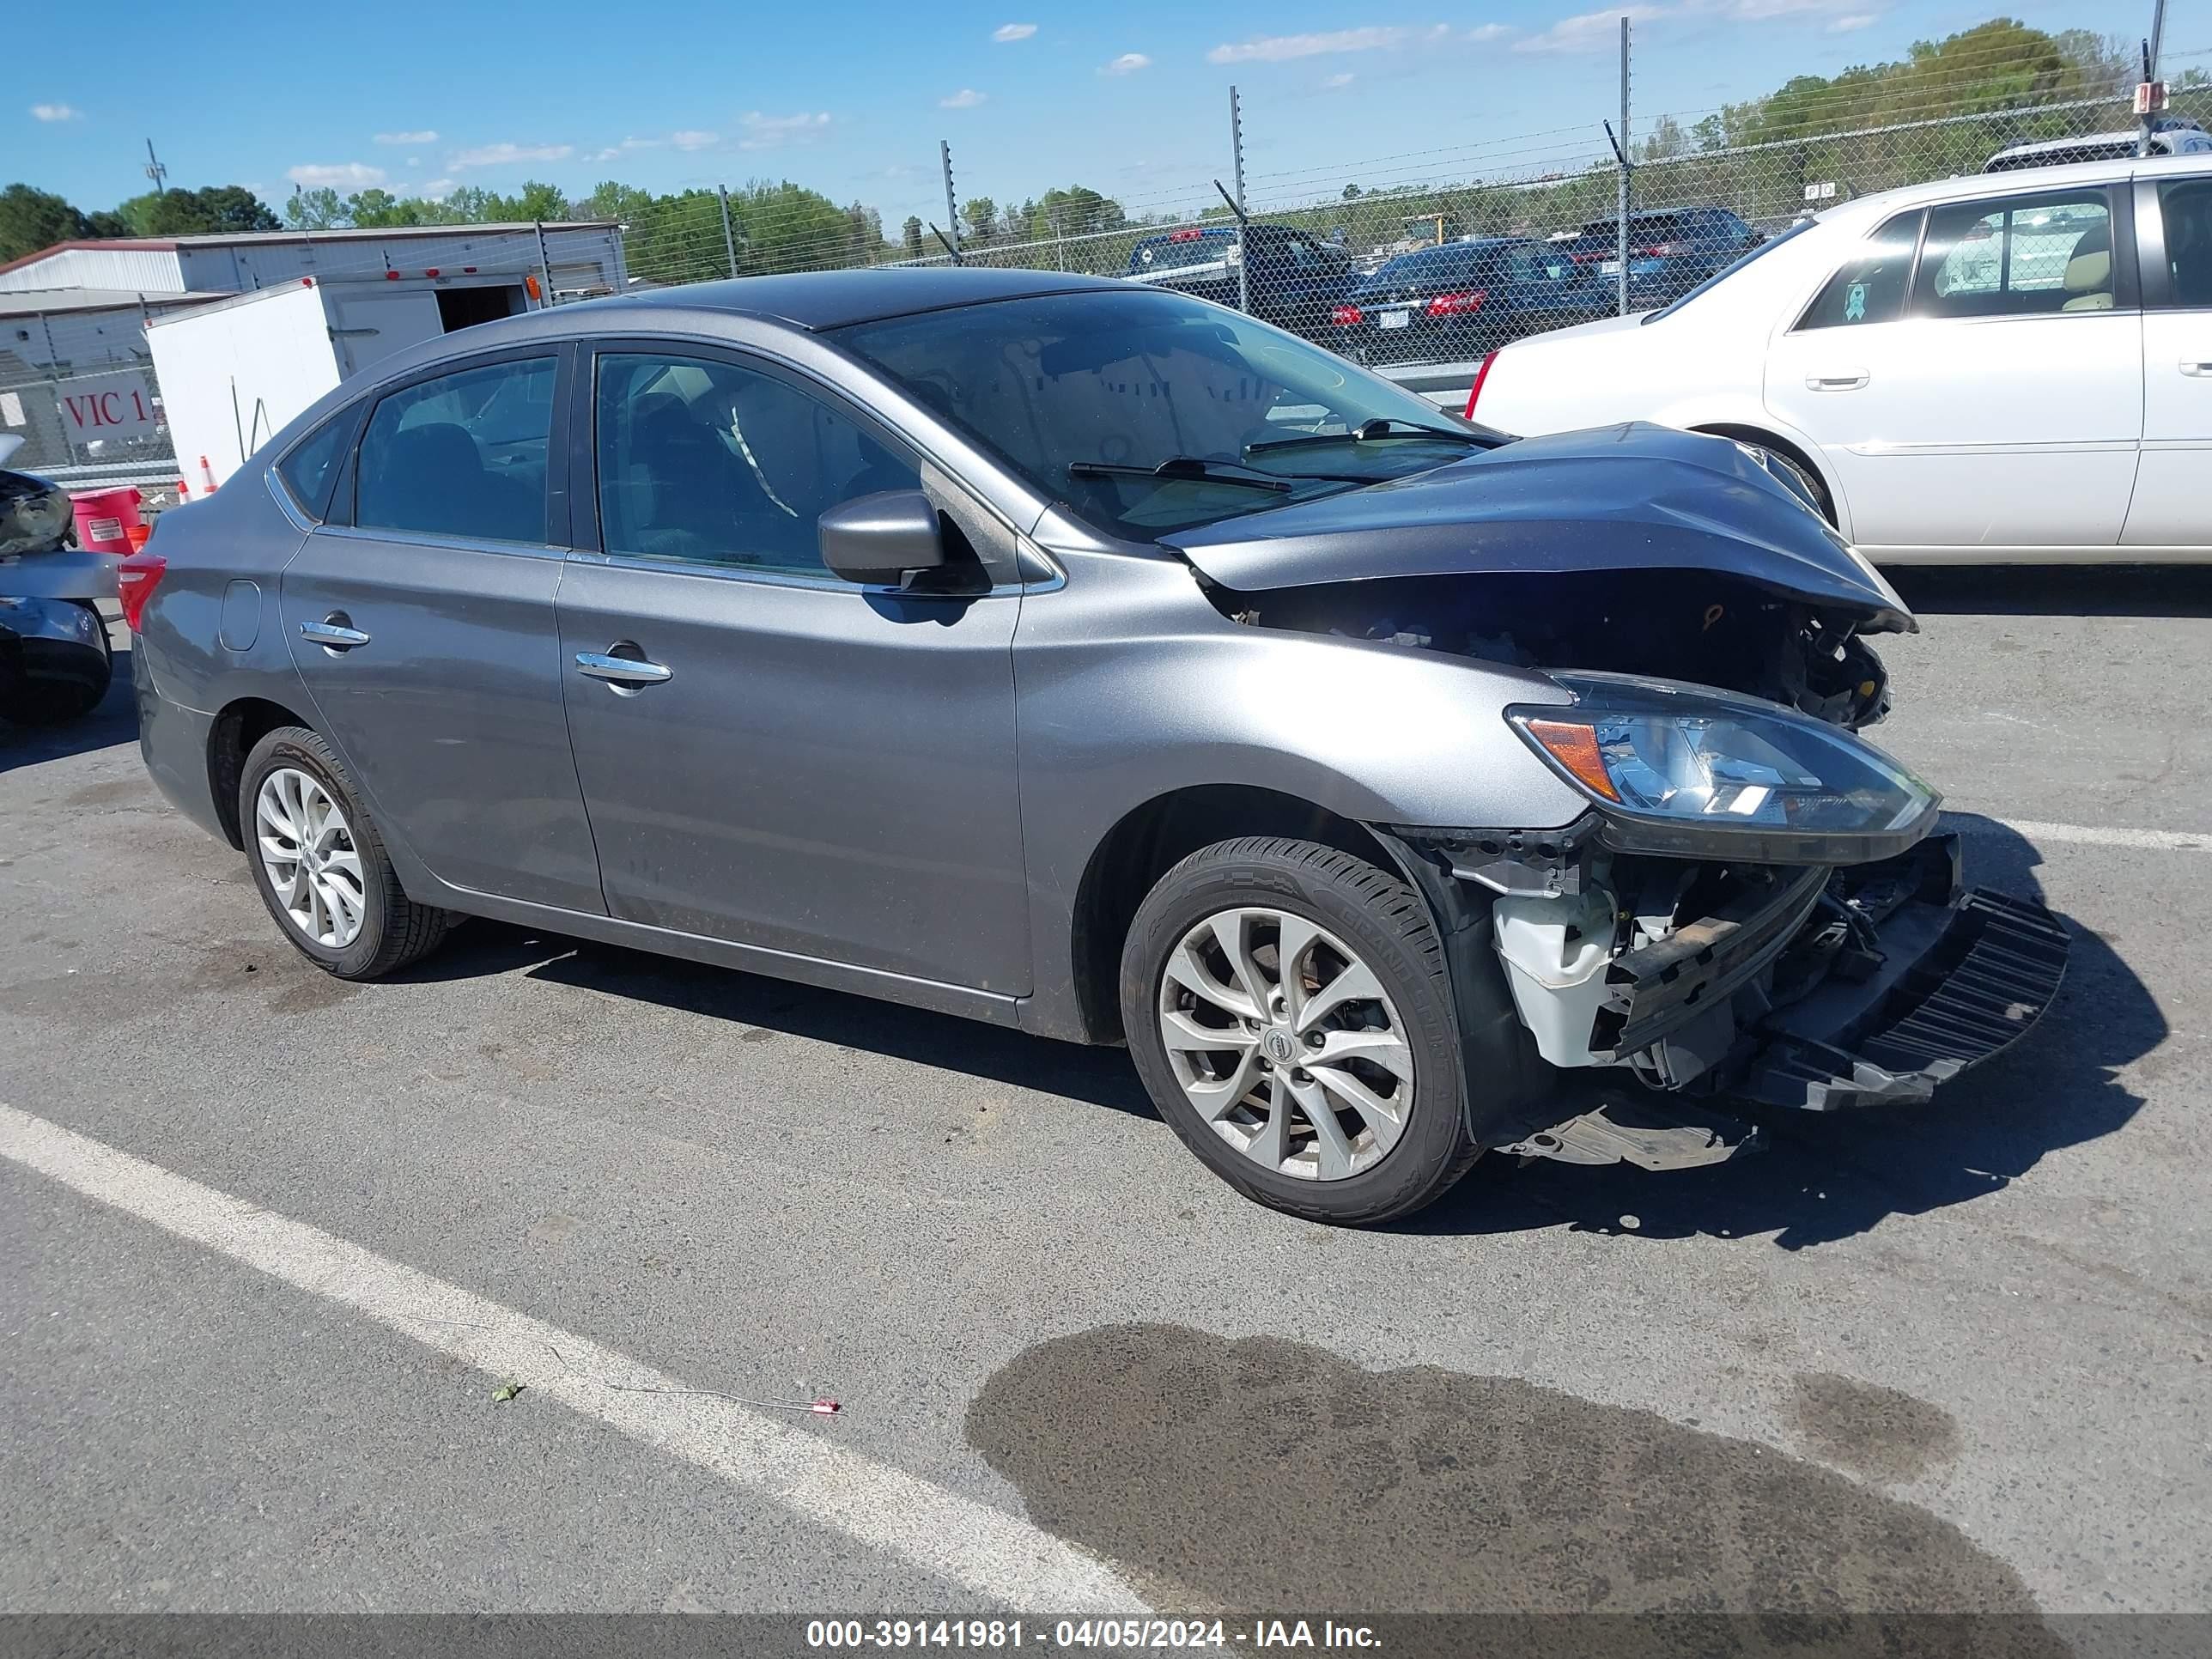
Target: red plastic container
[[105, 517]]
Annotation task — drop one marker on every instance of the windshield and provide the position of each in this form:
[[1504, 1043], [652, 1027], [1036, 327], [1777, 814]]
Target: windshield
[[1184, 247], [1730, 270], [1144, 377]]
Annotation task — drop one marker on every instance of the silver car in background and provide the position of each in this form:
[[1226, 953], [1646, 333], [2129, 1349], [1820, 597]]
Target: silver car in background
[[1094, 661]]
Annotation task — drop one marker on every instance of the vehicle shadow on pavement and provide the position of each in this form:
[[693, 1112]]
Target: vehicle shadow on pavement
[[1825, 1177], [116, 720], [2056, 590], [1098, 1077]]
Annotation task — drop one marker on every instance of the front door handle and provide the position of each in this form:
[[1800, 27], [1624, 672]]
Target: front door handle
[[334, 634], [2196, 370], [622, 673], [1849, 380]]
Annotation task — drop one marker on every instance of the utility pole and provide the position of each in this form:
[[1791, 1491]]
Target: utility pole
[[729, 240], [154, 170], [1243, 249], [2149, 97], [951, 213], [1625, 153]]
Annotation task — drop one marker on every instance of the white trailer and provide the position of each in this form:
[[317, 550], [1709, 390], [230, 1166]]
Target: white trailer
[[233, 374]]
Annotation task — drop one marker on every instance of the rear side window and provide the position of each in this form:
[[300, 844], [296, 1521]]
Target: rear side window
[[313, 464], [2186, 207], [1869, 286], [461, 455], [2022, 257]]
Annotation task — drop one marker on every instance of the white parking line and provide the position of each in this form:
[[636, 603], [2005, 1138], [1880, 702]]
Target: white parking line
[[2165, 841], [955, 1537]]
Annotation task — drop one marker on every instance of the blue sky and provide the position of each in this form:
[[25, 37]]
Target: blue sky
[[851, 99]]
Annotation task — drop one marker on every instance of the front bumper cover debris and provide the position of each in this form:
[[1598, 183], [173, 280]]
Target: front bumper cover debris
[[1956, 983]]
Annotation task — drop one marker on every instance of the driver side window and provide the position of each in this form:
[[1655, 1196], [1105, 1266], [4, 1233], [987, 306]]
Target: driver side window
[[704, 461]]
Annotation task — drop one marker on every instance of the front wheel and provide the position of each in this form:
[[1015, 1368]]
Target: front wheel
[[1287, 1007]]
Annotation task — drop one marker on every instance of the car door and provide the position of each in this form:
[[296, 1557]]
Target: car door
[[2172, 506], [797, 763], [421, 620], [1981, 389]]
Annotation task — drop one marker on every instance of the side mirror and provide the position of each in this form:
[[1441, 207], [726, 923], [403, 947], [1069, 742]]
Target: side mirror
[[882, 539]]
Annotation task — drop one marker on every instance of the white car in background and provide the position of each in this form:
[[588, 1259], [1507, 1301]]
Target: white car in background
[[2007, 368]]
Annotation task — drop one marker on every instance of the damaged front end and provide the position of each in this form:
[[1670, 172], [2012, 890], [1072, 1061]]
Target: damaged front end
[[1754, 906]]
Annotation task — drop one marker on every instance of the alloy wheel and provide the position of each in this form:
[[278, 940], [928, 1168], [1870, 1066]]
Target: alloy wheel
[[307, 848], [1286, 1042]]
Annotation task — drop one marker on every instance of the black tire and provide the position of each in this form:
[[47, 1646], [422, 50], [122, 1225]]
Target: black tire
[[395, 930], [56, 703], [1388, 926]]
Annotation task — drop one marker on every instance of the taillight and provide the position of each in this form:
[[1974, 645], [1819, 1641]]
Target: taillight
[[1662, 250], [1480, 375], [1347, 316], [1458, 305], [135, 578]]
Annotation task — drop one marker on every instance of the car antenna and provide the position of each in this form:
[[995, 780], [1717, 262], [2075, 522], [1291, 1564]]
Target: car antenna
[[949, 248], [1627, 165], [1233, 208]]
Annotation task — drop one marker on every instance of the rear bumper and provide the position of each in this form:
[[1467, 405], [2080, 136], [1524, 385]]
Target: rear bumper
[[173, 741]]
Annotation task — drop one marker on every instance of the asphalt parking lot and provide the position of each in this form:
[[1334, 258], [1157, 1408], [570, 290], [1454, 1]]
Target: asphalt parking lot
[[1954, 1359]]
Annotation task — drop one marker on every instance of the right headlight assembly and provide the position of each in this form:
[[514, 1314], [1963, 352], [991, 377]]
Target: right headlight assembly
[[1687, 771]]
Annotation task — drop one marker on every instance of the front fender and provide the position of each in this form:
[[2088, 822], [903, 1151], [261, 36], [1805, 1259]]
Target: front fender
[[1131, 687]]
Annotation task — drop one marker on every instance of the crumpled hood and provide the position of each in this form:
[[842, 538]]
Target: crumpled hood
[[1630, 497]]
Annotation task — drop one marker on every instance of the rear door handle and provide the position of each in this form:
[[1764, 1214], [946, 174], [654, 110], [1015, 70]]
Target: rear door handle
[[2196, 370], [1849, 380], [332, 634], [629, 672]]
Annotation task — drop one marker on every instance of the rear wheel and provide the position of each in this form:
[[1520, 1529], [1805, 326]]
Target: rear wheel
[[1287, 1008], [320, 865]]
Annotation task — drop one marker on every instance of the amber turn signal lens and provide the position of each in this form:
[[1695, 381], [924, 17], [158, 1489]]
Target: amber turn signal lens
[[1574, 747]]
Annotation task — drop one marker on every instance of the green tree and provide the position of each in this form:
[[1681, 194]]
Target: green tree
[[979, 219], [33, 219], [321, 209], [910, 238]]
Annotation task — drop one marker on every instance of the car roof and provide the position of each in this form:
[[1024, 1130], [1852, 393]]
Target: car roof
[[2019, 181], [818, 299]]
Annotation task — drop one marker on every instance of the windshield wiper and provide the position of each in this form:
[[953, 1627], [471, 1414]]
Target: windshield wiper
[[1179, 467], [1367, 432]]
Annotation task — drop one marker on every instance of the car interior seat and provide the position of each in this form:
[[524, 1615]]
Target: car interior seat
[[683, 492], [433, 478], [2089, 279]]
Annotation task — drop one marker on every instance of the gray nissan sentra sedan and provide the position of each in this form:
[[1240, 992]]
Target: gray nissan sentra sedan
[[1087, 658]]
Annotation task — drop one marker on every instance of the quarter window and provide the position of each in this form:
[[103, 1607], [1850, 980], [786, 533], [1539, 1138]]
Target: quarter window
[[461, 455], [2185, 205], [311, 466], [707, 461], [1869, 286], [2018, 257]]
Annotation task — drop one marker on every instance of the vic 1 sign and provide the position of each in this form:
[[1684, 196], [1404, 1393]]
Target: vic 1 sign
[[106, 406]]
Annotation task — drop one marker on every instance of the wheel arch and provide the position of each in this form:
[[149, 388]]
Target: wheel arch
[[241, 724], [1149, 840], [1743, 432]]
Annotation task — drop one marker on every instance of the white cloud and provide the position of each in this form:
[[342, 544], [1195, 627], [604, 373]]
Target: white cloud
[[774, 132], [966, 98], [426, 136], [1282, 48], [1006, 31], [316, 174], [1482, 31], [1341, 78], [499, 155], [56, 112], [1127, 63], [438, 188], [1592, 31], [694, 140], [1857, 20]]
